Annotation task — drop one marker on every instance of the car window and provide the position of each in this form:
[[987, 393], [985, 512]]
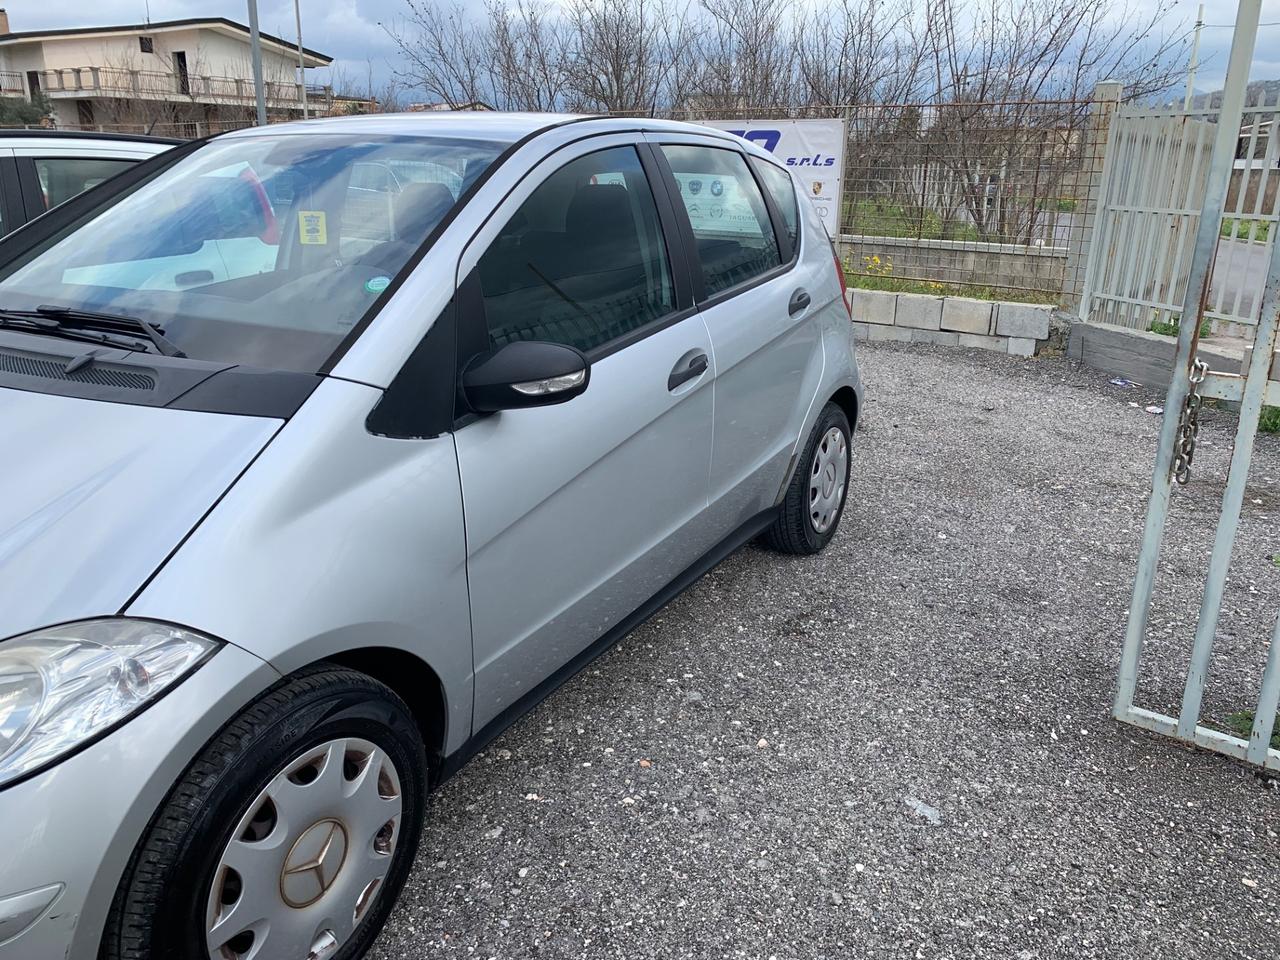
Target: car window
[[730, 221], [256, 249], [783, 191], [583, 260], [62, 178]]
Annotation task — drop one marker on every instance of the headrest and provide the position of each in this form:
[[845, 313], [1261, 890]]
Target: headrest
[[598, 210], [418, 207]]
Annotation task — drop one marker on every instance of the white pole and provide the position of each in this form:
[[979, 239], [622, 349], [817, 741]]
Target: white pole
[[302, 67], [255, 53], [1194, 63]]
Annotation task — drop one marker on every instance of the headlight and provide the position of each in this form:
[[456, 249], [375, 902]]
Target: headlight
[[61, 687]]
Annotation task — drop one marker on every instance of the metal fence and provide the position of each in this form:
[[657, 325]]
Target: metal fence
[[1149, 209]]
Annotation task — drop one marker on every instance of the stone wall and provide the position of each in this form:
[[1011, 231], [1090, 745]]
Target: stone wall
[[959, 261], [1016, 328]]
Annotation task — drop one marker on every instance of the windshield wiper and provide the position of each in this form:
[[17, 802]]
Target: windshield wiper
[[110, 322], [46, 326]]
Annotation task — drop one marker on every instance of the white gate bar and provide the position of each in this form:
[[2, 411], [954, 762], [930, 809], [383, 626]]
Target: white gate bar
[[1220, 169], [1264, 717], [1255, 386], [1230, 386]]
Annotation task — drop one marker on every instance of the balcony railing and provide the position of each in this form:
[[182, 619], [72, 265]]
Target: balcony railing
[[158, 85]]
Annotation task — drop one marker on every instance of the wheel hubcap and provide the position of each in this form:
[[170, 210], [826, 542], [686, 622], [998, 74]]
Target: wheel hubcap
[[827, 477], [308, 858]]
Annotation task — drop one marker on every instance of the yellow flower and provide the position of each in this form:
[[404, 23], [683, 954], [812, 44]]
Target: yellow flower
[[876, 261]]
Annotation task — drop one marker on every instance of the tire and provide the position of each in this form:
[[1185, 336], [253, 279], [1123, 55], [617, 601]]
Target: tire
[[296, 780], [799, 528]]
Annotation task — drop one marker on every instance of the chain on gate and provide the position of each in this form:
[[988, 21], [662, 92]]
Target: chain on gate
[[1189, 424]]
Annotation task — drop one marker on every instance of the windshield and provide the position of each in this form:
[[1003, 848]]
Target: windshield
[[264, 251]]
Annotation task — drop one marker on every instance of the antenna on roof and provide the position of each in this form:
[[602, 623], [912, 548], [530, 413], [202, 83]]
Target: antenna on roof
[[147, 3]]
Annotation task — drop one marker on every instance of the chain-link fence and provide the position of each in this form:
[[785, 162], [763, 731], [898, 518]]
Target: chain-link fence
[[971, 199]]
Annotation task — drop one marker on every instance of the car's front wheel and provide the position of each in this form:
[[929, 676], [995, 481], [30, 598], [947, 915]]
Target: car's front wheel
[[290, 836]]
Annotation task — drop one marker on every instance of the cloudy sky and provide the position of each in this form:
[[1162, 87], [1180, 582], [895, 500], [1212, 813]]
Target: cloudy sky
[[350, 31]]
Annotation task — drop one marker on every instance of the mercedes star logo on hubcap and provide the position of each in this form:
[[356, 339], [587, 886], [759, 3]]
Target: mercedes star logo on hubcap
[[313, 863]]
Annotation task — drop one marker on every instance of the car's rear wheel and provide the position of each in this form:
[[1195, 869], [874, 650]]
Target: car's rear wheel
[[814, 502], [290, 836]]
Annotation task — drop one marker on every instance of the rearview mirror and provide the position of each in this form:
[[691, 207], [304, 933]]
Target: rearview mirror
[[525, 373]]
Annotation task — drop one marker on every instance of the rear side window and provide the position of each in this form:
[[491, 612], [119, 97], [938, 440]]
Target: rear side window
[[730, 221], [62, 178], [583, 261], [783, 191]]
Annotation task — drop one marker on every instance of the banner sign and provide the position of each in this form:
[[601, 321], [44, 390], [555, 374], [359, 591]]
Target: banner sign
[[812, 149]]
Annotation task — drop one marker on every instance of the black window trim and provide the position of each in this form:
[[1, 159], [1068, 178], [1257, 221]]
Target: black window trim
[[12, 208], [705, 302], [792, 251], [29, 184]]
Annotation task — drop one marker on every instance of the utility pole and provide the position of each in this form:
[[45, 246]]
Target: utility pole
[[302, 67], [255, 53], [1194, 64]]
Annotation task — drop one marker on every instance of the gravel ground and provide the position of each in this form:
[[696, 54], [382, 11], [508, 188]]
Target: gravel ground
[[900, 748]]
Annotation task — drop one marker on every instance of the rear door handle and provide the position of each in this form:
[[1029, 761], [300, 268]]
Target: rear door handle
[[799, 302], [686, 369]]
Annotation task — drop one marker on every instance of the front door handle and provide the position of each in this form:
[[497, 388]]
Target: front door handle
[[687, 369], [799, 302]]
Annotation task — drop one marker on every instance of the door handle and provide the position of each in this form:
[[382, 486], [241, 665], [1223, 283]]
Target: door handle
[[799, 302], [687, 369]]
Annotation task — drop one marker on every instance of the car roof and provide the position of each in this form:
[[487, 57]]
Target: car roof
[[472, 125], [87, 135]]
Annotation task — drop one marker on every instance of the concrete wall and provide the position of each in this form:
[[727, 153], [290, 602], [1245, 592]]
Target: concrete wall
[[1016, 328], [959, 261], [1138, 355]]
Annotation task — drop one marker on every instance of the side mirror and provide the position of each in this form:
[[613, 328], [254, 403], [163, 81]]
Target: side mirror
[[525, 373]]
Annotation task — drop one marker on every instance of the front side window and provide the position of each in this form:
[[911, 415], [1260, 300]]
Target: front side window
[[259, 250], [583, 261], [730, 221], [62, 178]]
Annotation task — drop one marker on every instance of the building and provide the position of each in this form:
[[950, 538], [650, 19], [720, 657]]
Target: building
[[444, 107], [177, 77]]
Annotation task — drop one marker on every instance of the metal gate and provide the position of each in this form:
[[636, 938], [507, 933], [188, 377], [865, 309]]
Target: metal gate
[[1149, 203], [1192, 382]]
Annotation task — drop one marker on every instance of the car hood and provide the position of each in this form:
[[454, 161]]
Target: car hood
[[94, 497]]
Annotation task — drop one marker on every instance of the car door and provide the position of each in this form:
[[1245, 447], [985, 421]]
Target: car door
[[758, 309], [579, 513]]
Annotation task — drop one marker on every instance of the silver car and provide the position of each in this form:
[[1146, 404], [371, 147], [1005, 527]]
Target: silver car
[[331, 449]]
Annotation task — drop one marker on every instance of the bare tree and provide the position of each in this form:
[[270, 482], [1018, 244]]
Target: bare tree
[[445, 53], [776, 56], [617, 62], [747, 58], [858, 52]]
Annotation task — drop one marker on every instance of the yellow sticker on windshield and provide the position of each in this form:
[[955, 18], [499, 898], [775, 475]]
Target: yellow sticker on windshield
[[311, 228]]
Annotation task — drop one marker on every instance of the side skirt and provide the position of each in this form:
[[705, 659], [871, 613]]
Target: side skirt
[[487, 734]]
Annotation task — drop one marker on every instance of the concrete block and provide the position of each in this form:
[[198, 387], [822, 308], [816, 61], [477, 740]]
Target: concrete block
[[872, 306], [941, 338], [1023, 320], [860, 330], [1022, 347], [919, 311], [967, 316], [878, 331], [999, 344]]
